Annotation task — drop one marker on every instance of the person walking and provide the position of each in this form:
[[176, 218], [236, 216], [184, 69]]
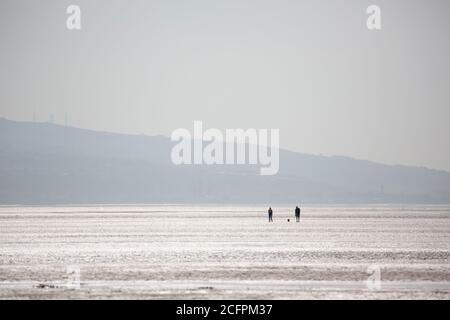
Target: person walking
[[297, 214], [270, 212]]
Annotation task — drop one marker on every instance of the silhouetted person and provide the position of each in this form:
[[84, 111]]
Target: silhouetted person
[[297, 214], [270, 212]]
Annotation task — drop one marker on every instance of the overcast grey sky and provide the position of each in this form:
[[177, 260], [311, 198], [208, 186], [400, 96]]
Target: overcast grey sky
[[310, 68]]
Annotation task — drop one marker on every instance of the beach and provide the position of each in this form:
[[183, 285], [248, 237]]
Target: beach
[[224, 252]]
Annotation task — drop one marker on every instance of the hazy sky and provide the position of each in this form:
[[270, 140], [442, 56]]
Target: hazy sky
[[310, 68]]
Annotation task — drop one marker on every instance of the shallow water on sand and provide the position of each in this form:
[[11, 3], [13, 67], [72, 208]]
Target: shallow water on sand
[[224, 252]]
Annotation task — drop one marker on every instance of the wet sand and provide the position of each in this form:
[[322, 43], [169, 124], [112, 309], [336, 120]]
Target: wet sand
[[218, 252]]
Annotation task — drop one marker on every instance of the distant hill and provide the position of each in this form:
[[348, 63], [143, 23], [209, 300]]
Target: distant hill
[[42, 163]]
